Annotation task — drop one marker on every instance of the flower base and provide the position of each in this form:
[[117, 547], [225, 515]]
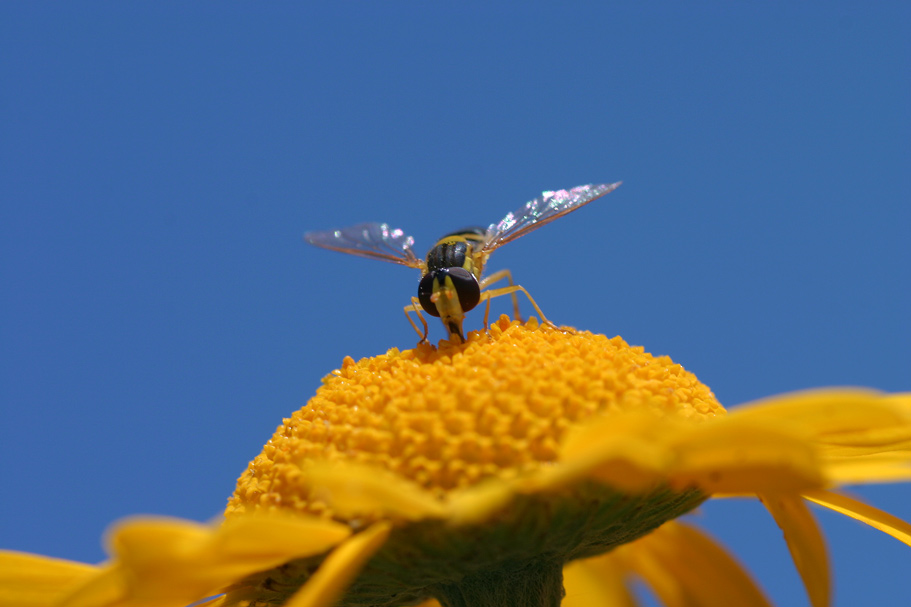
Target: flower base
[[538, 583], [513, 558]]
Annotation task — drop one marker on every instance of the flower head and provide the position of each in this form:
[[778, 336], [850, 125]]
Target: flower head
[[498, 407], [498, 472]]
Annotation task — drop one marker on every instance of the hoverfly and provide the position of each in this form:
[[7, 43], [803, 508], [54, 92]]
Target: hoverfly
[[451, 282]]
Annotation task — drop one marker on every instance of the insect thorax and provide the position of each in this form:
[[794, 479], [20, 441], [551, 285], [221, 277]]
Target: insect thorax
[[455, 250]]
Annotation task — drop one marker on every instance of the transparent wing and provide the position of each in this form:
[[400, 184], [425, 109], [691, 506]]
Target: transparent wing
[[374, 240], [542, 210]]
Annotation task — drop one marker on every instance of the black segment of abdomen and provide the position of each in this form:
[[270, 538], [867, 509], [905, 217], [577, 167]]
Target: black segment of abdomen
[[447, 255]]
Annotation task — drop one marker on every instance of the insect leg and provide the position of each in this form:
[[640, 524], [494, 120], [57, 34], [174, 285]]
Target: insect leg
[[487, 314], [489, 294], [497, 276], [416, 308]]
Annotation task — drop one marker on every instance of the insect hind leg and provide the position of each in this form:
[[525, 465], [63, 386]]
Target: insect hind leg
[[512, 289], [416, 308], [496, 277]]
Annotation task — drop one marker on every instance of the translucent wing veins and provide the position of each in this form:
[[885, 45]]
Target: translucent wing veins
[[541, 211], [379, 241], [374, 240]]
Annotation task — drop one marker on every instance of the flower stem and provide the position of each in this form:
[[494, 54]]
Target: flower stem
[[536, 584]]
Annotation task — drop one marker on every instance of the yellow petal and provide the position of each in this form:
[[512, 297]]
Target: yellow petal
[[28, 580], [686, 567], [738, 456], [275, 537], [670, 590], [629, 464], [847, 422], [355, 490], [805, 542], [476, 504], [596, 581], [592, 436], [105, 589], [876, 448], [732, 455], [340, 568], [865, 470], [626, 451], [868, 441], [823, 411], [182, 561], [856, 509]]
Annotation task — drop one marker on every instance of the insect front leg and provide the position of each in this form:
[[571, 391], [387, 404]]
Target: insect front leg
[[487, 315], [489, 294], [496, 277], [416, 308]]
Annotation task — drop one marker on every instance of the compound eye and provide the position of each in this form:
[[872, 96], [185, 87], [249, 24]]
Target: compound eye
[[467, 287], [425, 290]]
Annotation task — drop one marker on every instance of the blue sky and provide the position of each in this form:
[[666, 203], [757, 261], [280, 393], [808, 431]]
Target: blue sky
[[159, 163]]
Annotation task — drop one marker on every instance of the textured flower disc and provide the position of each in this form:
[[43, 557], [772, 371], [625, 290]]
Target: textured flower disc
[[493, 409]]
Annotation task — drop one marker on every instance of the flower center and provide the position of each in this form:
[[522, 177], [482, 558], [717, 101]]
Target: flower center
[[494, 407]]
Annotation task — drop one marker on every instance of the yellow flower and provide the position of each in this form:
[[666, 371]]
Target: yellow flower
[[499, 472]]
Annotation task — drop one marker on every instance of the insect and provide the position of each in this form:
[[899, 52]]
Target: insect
[[451, 274]]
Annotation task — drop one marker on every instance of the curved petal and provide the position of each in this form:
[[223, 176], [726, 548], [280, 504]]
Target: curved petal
[[596, 434], [596, 581], [686, 567], [732, 455], [823, 411], [894, 468], [475, 504], [876, 449], [627, 451], [354, 490], [340, 568], [845, 423], [107, 588], [670, 590], [181, 561], [275, 537], [805, 542], [864, 513], [29, 580]]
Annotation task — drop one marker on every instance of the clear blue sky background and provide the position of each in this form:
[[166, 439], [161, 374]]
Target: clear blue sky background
[[160, 314]]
